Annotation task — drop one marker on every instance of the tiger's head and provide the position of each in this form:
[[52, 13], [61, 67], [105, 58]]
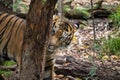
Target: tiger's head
[[62, 33]]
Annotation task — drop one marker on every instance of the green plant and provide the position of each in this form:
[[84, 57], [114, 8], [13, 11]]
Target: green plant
[[8, 63], [77, 11], [115, 18], [82, 11], [97, 47], [18, 6], [15, 4], [44, 1], [25, 7], [66, 8], [6, 72], [112, 46], [92, 74]]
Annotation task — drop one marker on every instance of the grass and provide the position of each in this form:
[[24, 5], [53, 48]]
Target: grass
[[112, 46], [115, 18], [6, 72], [8, 63]]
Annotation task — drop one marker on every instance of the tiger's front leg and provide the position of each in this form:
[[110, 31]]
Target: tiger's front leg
[[49, 67]]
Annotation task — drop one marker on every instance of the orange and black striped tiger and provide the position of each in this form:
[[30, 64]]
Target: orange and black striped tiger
[[11, 39]]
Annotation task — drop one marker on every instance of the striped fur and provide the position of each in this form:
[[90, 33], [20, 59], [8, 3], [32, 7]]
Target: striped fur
[[11, 39]]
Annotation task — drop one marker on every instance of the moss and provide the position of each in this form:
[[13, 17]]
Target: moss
[[83, 11], [66, 8]]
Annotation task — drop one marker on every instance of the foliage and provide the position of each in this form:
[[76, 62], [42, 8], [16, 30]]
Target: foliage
[[115, 17], [20, 7], [115, 33], [83, 11], [15, 5], [8, 63], [43, 1], [112, 46], [66, 8], [107, 48], [6, 72], [92, 74], [77, 11], [97, 46]]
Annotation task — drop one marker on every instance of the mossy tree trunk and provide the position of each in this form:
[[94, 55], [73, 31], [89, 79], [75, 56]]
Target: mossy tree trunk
[[36, 40]]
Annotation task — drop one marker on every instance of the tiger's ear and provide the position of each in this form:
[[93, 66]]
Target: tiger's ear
[[55, 17]]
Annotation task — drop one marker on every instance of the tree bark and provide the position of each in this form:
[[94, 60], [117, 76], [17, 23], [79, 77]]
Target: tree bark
[[36, 40]]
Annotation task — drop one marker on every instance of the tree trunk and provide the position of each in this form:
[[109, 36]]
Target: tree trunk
[[69, 66], [36, 40]]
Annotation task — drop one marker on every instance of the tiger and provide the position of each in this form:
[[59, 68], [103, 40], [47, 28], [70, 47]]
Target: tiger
[[62, 35], [12, 30]]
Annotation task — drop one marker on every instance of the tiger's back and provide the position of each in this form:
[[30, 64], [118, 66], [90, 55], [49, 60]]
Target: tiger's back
[[11, 35]]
